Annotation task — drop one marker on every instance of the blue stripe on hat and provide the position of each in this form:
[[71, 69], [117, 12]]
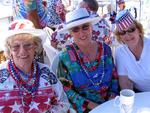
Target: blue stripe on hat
[[77, 19]]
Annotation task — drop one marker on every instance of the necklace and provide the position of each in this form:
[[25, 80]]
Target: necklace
[[84, 67], [28, 89]]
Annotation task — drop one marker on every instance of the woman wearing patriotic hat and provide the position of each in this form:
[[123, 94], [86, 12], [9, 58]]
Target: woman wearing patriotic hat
[[132, 57], [27, 86]]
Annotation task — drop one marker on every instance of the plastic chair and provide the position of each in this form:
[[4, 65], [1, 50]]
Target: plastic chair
[[50, 52], [54, 64]]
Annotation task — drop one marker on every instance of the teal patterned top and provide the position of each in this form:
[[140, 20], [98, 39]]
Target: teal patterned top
[[86, 81]]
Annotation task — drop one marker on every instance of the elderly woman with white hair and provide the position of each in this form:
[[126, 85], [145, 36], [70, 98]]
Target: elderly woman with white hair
[[86, 67], [27, 86]]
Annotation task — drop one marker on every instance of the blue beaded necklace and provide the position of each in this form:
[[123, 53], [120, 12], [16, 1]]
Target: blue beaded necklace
[[28, 89]]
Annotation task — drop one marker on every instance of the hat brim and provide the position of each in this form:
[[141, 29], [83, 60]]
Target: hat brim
[[35, 32], [92, 20], [120, 2]]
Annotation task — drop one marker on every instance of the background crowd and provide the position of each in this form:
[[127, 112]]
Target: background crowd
[[88, 72]]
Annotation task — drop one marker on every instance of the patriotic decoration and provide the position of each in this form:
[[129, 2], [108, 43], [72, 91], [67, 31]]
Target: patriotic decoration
[[16, 97], [124, 19], [11, 102]]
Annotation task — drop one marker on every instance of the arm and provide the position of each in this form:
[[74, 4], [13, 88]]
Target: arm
[[77, 101], [114, 89], [125, 82], [114, 85], [32, 13], [33, 16], [62, 105]]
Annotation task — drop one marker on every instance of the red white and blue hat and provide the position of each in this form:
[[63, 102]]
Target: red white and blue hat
[[124, 19], [120, 1], [22, 26]]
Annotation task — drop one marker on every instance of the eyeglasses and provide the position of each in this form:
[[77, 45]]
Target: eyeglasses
[[26, 46], [127, 31], [83, 27]]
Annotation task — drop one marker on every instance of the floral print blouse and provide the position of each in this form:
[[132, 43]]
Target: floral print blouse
[[85, 81]]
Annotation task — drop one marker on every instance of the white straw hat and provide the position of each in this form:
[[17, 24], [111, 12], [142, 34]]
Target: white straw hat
[[78, 17], [21, 26]]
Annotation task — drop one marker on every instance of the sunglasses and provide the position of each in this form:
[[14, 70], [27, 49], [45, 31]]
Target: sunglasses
[[127, 31], [26, 46], [83, 27]]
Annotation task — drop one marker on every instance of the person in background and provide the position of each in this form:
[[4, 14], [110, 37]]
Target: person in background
[[101, 30], [86, 68], [122, 6], [25, 84], [132, 56], [56, 12], [112, 16], [42, 13], [32, 10]]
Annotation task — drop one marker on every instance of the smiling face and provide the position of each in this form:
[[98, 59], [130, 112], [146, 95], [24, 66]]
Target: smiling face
[[82, 34], [130, 36], [22, 49]]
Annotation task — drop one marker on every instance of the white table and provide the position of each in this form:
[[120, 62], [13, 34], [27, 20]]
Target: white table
[[142, 101]]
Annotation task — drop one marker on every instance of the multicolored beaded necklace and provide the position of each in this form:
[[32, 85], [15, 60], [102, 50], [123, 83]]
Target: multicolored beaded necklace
[[28, 89], [93, 68]]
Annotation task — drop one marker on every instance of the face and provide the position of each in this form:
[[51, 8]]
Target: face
[[130, 36], [22, 49], [82, 33], [121, 6]]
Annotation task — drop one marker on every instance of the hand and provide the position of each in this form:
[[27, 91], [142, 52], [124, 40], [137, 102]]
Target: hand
[[92, 105], [54, 44], [105, 15]]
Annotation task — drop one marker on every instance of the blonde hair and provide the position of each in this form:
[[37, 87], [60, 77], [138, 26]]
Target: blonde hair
[[37, 41], [138, 25], [110, 8]]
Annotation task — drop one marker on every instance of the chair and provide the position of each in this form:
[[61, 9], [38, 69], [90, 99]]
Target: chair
[[50, 52], [54, 64], [2, 57]]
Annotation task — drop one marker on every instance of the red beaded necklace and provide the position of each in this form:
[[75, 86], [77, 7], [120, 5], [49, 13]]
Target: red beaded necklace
[[81, 61], [84, 67], [28, 89]]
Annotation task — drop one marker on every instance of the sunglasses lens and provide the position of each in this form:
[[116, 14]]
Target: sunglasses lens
[[131, 30], [85, 27], [128, 31], [122, 33], [75, 29]]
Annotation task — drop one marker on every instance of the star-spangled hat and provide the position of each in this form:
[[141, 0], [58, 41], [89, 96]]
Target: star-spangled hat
[[21, 26], [124, 19]]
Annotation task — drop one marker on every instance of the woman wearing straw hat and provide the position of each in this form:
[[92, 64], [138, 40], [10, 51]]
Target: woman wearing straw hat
[[86, 67], [27, 86], [132, 57]]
